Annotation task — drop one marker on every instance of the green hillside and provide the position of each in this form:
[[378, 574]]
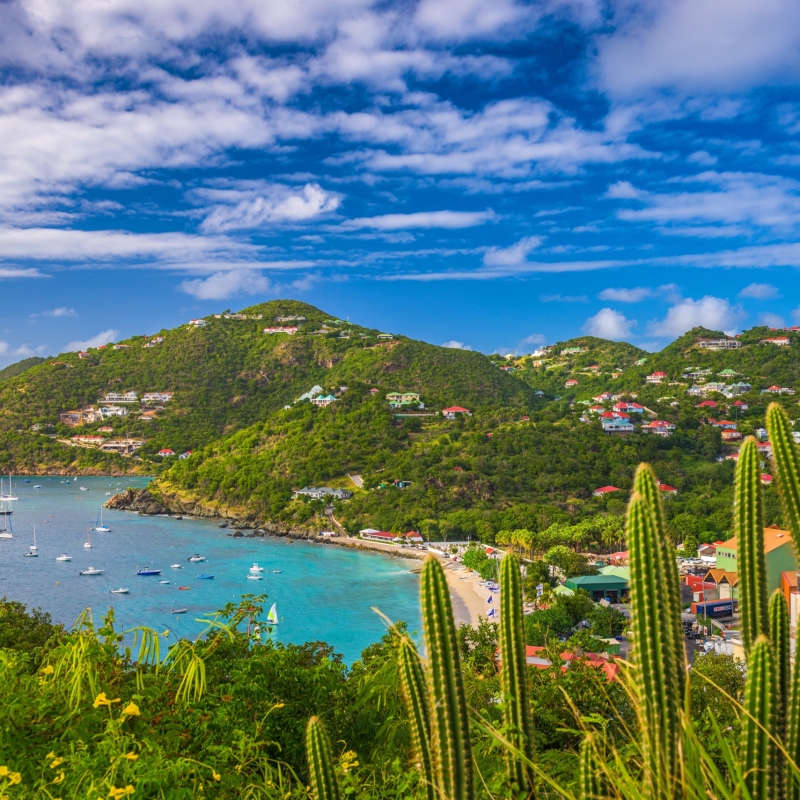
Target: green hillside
[[226, 376], [12, 370]]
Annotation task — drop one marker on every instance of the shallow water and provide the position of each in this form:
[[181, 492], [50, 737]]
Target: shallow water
[[323, 592]]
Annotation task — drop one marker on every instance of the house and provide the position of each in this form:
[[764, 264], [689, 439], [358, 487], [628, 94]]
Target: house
[[773, 390], [604, 490], [198, 323], [602, 398], [318, 493], [312, 392], [157, 397], [596, 409], [630, 408], [728, 373], [660, 427], [120, 397], [618, 426], [166, 452], [571, 351], [724, 423], [105, 429], [640, 362], [656, 377], [290, 329], [766, 480], [148, 416], [122, 347], [761, 433], [401, 484], [83, 355], [600, 587], [378, 536], [780, 341], [184, 456], [373, 391], [452, 411], [707, 404], [719, 344], [765, 448], [95, 441], [741, 406], [571, 382], [122, 446], [290, 319], [113, 411], [396, 399], [323, 400], [667, 489], [779, 555], [731, 436], [156, 340], [385, 336], [458, 469], [695, 391], [413, 536]]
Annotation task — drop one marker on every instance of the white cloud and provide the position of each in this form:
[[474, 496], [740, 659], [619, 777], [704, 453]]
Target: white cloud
[[635, 295], [563, 298], [710, 312], [513, 255], [421, 219], [60, 312], [104, 337], [222, 285], [284, 206], [23, 350], [771, 320], [14, 272], [455, 345], [760, 291], [702, 157], [796, 315], [609, 324]]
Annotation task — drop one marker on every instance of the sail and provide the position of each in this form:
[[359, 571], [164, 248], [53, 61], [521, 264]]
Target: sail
[[272, 616]]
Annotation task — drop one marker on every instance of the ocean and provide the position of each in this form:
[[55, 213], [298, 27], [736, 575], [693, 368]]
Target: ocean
[[322, 593]]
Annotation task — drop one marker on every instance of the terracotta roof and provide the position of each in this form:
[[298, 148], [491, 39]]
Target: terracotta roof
[[773, 539], [718, 575]]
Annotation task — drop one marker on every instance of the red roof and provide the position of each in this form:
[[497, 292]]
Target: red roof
[[458, 469], [707, 404], [456, 410], [660, 374], [605, 490], [766, 478], [739, 403], [665, 487]]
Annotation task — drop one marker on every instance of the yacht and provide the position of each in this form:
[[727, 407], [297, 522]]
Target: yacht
[[9, 495], [148, 571], [196, 557], [6, 530], [63, 557], [32, 550], [99, 526], [256, 568], [254, 577], [175, 566], [120, 591], [84, 488], [92, 571]]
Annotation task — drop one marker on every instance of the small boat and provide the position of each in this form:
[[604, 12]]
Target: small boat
[[33, 550], [6, 528], [163, 581], [178, 610], [175, 566], [120, 591], [92, 571], [276, 571], [184, 588], [254, 577], [31, 554], [84, 488], [272, 615], [27, 480], [148, 571], [37, 487], [99, 526], [108, 494], [196, 558], [63, 557], [88, 543], [204, 577], [256, 568], [10, 496]]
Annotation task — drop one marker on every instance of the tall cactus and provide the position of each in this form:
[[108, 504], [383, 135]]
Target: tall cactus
[[779, 639], [748, 519], [591, 777], [760, 705], [320, 762], [514, 678], [654, 652], [412, 686], [786, 457], [646, 485], [452, 748]]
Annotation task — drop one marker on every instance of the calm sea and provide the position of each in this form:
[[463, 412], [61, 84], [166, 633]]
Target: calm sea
[[323, 593]]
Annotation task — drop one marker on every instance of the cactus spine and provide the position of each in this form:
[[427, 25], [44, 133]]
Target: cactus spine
[[654, 651], [320, 762], [758, 751], [748, 519], [412, 686], [646, 485], [452, 748], [513, 677]]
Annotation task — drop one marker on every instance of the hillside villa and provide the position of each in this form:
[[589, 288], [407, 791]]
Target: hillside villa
[[453, 411], [290, 329], [321, 492]]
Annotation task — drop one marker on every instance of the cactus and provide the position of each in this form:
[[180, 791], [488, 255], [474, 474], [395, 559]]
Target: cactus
[[591, 777], [320, 762], [452, 749], [412, 686], [654, 652], [646, 485], [513, 677], [779, 639], [748, 518], [793, 735], [786, 458], [757, 749]]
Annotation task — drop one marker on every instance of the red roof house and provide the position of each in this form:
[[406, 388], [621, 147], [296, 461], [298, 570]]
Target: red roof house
[[603, 490], [667, 489], [707, 404]]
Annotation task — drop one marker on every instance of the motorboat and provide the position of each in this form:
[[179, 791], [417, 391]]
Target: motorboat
[[92, 571], [204, 577], [254, 578], [175, 566], [37, 487], [84, 488], [148, 571], [120, 591], [196, 558], [108, 494], [178, 610], [63, 557], [256, 568], [99, 526], [163, 581], [276, 572]]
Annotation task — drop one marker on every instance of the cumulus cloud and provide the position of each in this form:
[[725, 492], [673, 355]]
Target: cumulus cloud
[[609, 324], [511, 256], [104, 337], [222, 285], [60, 312], [715, 313], [635, 295], [23, 350], [456, 345], [760, 291], [771, 320], [421, 219]]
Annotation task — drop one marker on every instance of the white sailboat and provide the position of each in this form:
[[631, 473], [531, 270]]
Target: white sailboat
[[99, 526], [33, 551], [6, 529], [88, 543], [10, 494], [272, 615]]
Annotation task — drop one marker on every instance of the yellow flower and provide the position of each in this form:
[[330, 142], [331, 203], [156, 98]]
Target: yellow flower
[[57, 762], [51, 754], [131, 710], [216, 776], [59, 778], [48, 670], [102, 700], [4, 771], [14, 777], [131, 756], [118, 793]]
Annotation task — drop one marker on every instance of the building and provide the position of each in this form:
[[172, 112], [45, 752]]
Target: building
[[453, 411], [656, 377], [719, 344], [290, 329], [766, 479], [122, 446], [122, 347], [184, 456], [113, 411], [781, 341], [396, 399], [659, 427], [104, 429], [570, 383], [198, 323], [292, 318], [385, 336], [629, 408], [667, 489], [379, 536], [778, 553], [154, 341], [157, 397], [166, 452], [731, 436], [618, 426], [323, 400], [707, 404], [120, 397], [725, 424], [94, 441], [321, 492], [600, 587], [604, 490]]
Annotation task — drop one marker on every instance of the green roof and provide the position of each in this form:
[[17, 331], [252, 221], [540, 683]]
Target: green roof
[[596, 582], [563, 590], [620, 572]]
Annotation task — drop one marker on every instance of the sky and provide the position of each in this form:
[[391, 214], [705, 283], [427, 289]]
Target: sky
[[487, 175]]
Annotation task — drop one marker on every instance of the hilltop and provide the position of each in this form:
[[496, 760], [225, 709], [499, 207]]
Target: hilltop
[[12, 370]]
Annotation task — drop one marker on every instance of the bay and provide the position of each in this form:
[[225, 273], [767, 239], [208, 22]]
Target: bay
[[322, 592]]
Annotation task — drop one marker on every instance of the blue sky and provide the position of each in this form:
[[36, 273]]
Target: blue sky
[[489, 175]]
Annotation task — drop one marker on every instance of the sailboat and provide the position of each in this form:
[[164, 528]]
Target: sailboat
[[6, 530], [98, 526], [33, 552], [7, 496], [272, 615], [88, 543]]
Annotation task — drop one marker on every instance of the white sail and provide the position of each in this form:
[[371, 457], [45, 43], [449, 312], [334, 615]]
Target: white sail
[[272, 616]]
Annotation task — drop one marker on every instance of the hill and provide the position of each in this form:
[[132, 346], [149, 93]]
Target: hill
[[224, 375], [12, 370]]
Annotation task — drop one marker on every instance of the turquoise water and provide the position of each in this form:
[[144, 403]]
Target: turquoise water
[[323, 593]]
